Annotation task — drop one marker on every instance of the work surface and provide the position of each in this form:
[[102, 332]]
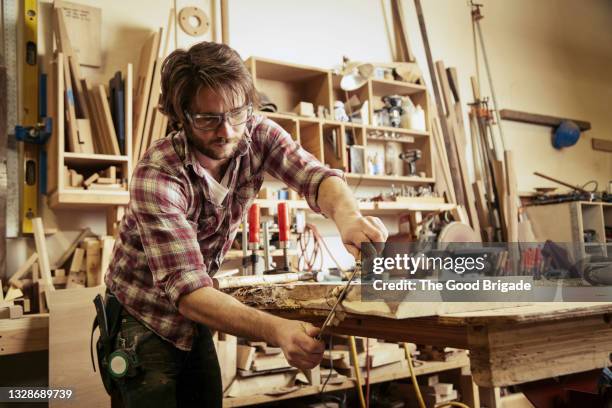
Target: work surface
[[508, 343]]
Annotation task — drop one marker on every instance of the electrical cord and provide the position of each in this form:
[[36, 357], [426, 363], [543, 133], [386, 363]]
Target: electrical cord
[[417, 390]]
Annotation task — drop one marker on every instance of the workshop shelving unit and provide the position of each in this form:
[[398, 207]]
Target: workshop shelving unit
[[286, 85], [570, 222], [62, 196]]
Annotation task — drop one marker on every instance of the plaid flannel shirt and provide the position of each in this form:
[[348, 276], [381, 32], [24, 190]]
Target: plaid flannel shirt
[[173, 238]]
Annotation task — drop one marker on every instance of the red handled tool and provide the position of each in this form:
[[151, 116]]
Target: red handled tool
[[253, 221], [283, 231]]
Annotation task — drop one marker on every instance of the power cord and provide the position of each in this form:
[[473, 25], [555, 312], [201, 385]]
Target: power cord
[[417, 390]]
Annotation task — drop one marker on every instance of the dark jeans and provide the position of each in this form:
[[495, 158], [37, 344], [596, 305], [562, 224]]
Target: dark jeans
[[168, 377]]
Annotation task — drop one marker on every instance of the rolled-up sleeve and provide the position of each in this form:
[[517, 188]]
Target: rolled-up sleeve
[[168, 238], [289, 162]]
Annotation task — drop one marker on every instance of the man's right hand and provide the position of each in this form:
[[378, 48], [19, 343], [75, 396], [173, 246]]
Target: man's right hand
[[297, 340]]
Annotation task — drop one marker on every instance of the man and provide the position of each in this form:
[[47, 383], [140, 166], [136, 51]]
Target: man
[[188, 195]]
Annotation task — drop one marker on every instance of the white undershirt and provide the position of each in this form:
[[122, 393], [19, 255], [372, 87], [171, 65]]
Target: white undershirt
[[218, 191]]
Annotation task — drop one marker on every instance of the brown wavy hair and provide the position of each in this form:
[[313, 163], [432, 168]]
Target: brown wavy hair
[[206, 64]]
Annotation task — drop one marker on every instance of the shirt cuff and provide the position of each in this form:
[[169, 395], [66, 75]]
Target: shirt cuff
[[184, 282], [314, 181]]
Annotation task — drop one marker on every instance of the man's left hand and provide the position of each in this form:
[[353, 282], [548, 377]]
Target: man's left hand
[[356, 229]]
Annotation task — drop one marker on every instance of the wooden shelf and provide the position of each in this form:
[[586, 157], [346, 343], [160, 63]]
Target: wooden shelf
[[82, 199], [381, 207], [387, 87], [84, 159], [410, 132], [369, 180], [428, 367]]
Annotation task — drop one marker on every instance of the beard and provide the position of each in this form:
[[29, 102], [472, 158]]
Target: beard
[[213, 148]]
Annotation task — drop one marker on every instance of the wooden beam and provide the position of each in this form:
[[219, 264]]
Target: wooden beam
[[601, 145], [41, 249], [450, 147], [23, 269], [537, 119]]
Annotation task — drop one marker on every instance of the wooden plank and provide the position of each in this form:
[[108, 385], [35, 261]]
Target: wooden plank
[[107, 251], [41, 249], [77, 241], [458, 135], [128, 91], [86, 138], [245, 356], [20, 273], [226, 350], [70, 315], [602, 145], [92, 261], [96, 126], [146, 64], [107, 120], [74, 142], [152, 104], [537, 119], [72, 62], [27, 334]]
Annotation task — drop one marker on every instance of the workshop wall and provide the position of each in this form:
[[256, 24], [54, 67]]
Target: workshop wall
[[548, 56]]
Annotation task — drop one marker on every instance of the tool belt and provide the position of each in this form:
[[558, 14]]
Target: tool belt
[[108, 319]]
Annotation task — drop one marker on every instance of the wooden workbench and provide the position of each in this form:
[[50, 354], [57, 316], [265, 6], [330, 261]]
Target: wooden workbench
[[507, 346]]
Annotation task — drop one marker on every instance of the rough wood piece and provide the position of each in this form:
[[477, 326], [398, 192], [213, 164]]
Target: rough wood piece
[[92, 261], [260, 384], [23, 269], [12, 294], [77, 260], [91, 179], [107, 250], [11, 312], [262, 362], [41, 249], [77, 241], [226, 350], [244, 357], [240, 281], [308, 296]]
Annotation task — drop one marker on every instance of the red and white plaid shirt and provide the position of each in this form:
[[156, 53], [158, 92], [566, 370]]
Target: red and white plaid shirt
[[173, 237]]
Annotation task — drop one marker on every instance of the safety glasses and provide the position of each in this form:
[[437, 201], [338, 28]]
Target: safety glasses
[[207, 121]]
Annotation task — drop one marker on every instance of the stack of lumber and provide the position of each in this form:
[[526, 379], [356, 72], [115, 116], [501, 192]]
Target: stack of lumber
[[382, 356], [100, 119], [433, 391], [149, 123], [95, 124], [252, 368], [106, 179], [83, 264]]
